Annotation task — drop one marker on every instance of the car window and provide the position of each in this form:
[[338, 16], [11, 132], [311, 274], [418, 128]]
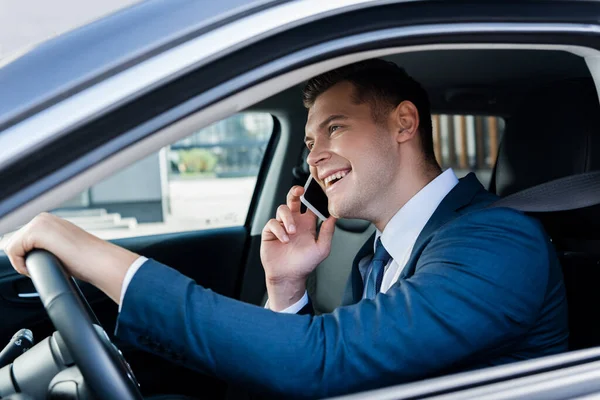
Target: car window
[[203, 181], [467, 143]]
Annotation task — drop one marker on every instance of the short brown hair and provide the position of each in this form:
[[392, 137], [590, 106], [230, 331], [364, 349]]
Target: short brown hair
[[384, 85]]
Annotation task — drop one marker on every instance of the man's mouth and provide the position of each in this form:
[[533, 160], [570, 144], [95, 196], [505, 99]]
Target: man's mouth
[[333, 179]]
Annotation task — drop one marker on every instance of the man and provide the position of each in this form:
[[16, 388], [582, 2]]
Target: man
[[446, 284]]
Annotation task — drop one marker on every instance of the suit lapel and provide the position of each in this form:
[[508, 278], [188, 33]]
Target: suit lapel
[[460, 196], [354, 288]]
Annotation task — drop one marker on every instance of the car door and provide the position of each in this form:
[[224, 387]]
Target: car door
[[187, 206]]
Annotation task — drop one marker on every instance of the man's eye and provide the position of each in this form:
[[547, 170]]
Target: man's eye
[[333, 128], [310, 145]]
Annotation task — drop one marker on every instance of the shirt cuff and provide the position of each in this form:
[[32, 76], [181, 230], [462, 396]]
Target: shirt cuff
[[133, 268], [294, 308]]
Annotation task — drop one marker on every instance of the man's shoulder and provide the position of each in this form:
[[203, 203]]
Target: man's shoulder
[[499, 225], [481, 212], [502, 217], [501, 244]]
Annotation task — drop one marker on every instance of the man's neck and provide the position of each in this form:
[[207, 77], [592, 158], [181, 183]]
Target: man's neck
[[407, 189]]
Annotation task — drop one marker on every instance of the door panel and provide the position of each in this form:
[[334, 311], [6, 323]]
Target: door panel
[[213, 258]]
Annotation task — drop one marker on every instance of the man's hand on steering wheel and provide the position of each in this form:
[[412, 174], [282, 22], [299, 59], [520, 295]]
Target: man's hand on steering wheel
[[84, 256], [90, 259], [96, 357]]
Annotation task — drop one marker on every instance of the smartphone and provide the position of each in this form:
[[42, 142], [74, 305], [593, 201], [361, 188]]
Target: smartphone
[[315, 199]]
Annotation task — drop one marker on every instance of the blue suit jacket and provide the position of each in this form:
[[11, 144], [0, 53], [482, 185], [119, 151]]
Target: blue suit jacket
[[483, 286]]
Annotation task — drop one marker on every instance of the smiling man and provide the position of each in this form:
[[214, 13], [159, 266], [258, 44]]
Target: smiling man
[[446, 283]]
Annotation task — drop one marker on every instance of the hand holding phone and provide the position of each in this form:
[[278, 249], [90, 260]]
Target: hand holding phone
[[290, 248]]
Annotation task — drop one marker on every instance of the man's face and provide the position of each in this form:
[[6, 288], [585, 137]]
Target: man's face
[[346, 143]]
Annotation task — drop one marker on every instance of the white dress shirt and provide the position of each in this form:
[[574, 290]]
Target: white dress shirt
[[398, 237], [401, 233]]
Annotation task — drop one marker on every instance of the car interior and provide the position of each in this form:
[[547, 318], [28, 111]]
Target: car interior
[[518, 86], [549, 107], [549, 103]]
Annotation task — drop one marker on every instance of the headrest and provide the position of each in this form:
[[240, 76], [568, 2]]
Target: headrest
[[554, 133]]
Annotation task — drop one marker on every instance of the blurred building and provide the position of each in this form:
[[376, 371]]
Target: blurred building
[[233, 147]]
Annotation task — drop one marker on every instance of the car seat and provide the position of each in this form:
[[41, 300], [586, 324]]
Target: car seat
[[554, 133]]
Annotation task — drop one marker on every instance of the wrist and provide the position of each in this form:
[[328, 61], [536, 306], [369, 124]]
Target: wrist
[[109, 275], [283, 293]]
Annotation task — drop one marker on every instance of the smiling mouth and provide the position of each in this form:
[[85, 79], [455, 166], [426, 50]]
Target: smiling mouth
[[335, 178]]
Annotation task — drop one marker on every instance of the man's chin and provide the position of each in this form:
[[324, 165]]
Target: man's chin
[[334, 214], [341, 212]]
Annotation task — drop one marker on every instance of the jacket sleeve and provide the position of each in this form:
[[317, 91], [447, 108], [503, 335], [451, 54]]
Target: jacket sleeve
[[307, 309], [479, 285]]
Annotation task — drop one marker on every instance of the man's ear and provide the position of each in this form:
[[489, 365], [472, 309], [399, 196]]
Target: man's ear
[[406, 121]]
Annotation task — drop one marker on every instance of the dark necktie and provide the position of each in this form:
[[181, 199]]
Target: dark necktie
[[375, 270]]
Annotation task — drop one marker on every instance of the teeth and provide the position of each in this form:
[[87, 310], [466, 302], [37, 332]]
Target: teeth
[[337, 175]]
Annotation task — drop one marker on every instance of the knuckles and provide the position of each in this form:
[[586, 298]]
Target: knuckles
[[39, 222], [282, 209], [270, 224]]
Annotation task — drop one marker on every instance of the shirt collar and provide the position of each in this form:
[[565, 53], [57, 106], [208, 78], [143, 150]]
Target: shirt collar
[[405, 226]]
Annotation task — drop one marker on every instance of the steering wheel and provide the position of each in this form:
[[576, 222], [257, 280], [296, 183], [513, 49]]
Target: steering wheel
[[100, 362]]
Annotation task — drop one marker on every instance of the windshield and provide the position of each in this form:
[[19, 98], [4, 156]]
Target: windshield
[[27, 23]]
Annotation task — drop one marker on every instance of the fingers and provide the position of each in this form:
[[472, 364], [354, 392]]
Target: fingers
[[288, 217], [16, 249], [293, 198], [26, 239], [284, 215], [326, 235], [17, 261], [274, 230], [311, 217]]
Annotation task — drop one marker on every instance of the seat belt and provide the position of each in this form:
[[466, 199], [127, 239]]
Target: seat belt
[[563, 194]]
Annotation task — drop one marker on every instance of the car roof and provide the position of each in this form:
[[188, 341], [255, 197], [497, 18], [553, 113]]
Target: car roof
[[70, 62]]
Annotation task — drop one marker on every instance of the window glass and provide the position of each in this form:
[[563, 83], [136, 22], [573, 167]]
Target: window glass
[[467, 143], [201, 182]]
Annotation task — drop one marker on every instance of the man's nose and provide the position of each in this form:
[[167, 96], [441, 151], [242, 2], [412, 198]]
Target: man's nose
[[317, 155]]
